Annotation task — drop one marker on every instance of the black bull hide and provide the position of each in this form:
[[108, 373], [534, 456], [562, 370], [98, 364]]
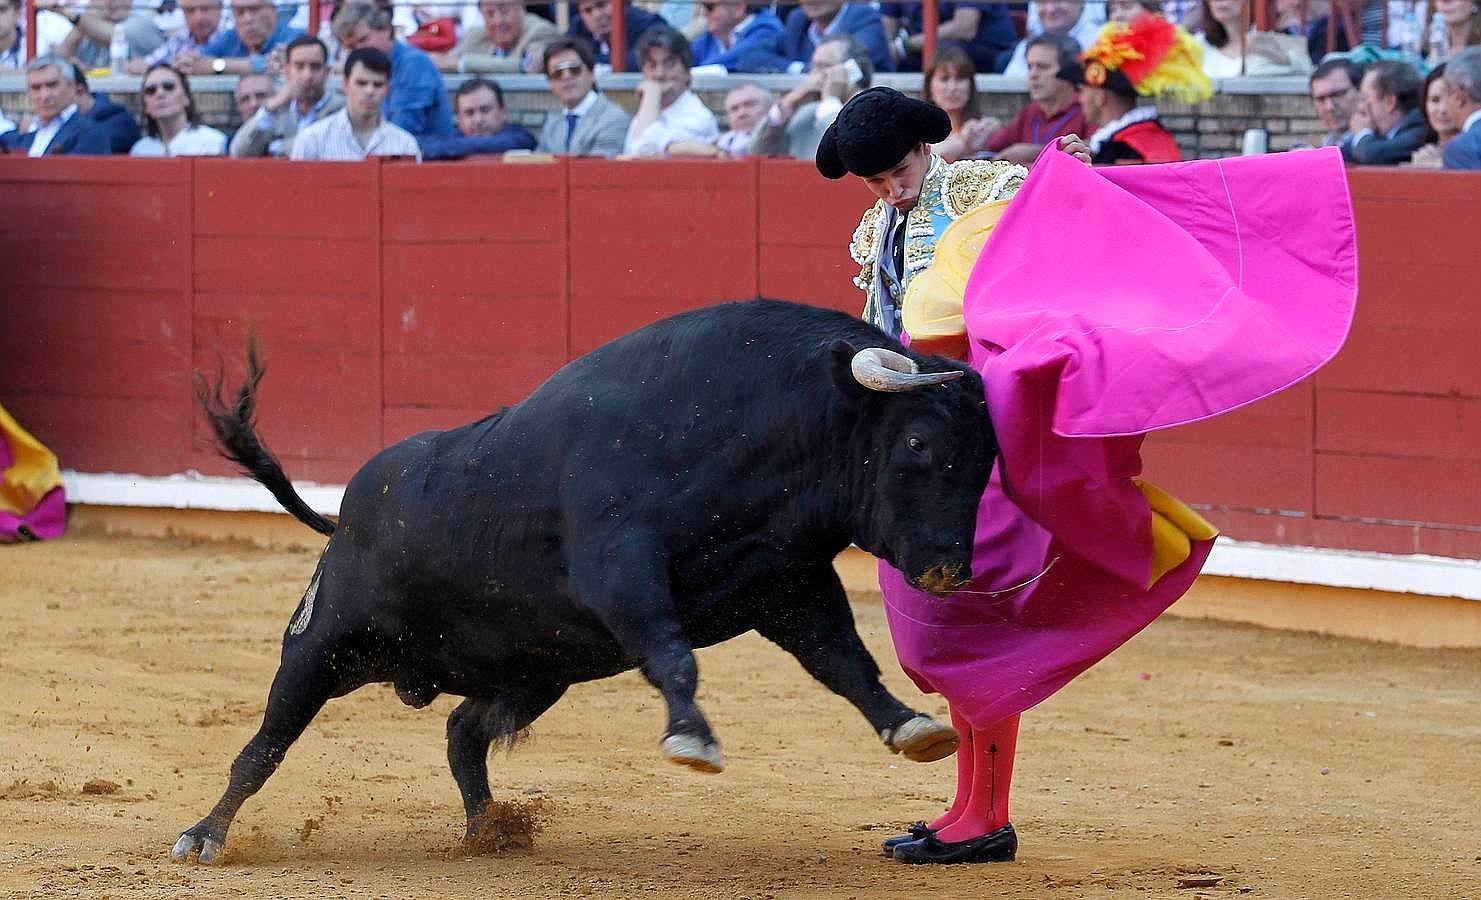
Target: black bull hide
[[675, 488]]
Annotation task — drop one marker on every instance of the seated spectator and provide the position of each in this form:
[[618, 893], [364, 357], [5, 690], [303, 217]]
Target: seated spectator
[[60, 128], [91, 36], [360, 130], [1462, 20], [668, 110], [251, 92], [483, 125], [1388, 126], [951, 84], [172, 123], [1439, 127], [839, 69], [203, 24], [1334, 92], [984, 30], [744, 107], [1463, 95], [512, 39], [300, 102], [816, 21], [594, 25], [586, 124], [738, 37], [417, 101], [1167, 63], [1231, 47], [1057, 17], [116, 123], [12, 37], [1312, 21], [245, 48], [1054, 102], [1124, 11]]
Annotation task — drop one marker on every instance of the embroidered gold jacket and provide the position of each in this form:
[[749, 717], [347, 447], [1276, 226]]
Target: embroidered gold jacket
[[949, 191]]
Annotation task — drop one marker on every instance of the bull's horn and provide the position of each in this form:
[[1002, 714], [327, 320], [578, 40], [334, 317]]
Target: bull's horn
[[879, 369]]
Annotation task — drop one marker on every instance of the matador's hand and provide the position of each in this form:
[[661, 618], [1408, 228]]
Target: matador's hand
[[1073, 145]]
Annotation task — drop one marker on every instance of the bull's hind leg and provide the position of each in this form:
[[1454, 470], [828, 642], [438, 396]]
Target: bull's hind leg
[[297, 695], [480, 721], [814, 624]]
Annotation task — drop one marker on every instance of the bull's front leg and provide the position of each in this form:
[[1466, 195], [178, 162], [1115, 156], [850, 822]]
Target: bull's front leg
[[816, 626], [626, 586]]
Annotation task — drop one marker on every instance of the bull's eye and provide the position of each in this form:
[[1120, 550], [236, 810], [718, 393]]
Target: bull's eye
[[915, 444]]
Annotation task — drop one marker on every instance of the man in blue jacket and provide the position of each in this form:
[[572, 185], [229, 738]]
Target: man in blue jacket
[[594, 24], [61, 128], [737, 37], [1463, 97], [116, 123], [483, 126], [815, 21], [417, 100]]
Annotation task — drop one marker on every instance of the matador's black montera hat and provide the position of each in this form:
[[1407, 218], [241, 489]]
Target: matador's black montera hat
[[875, 130]]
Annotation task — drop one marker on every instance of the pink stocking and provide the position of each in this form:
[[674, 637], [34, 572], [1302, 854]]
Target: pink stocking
[[964, 761], [986, 809]]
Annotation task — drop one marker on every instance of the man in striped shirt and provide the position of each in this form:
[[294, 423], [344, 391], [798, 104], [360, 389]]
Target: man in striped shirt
[[358, 131]]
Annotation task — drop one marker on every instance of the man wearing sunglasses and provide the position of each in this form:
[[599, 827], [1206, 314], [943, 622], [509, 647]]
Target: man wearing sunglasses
[[60, 128], [586, 123], [737, 37]]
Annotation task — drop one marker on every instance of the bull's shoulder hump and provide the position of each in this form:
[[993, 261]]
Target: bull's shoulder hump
[[970, 183]]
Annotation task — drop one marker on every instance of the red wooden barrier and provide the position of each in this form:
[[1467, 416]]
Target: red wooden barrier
[[392, 298]]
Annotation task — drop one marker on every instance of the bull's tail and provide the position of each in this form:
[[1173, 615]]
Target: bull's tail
[[237, 440]]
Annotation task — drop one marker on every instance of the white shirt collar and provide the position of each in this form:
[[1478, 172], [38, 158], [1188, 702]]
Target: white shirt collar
[[584, 106]]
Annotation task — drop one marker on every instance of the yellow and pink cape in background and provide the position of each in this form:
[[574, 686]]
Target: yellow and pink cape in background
[[32, 503]]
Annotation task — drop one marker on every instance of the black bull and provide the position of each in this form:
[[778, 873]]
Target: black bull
[[673, 489]]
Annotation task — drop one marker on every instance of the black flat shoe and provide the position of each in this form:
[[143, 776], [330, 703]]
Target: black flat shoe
[[999, 846], [917, 831]]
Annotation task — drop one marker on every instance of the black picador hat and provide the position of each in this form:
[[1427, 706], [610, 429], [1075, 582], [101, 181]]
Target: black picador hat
[[875, 130]]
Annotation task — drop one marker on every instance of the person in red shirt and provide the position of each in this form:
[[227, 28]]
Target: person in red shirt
[[1150, 57], [1054, 102]]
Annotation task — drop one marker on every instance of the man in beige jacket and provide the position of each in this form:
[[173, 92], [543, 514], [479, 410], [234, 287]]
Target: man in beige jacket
[[511, 40], [302, 100]]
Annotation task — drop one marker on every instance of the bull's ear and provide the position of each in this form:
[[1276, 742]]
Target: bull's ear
[[840, 367]]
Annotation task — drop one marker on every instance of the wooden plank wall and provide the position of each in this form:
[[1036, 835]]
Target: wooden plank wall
[[392, 298]]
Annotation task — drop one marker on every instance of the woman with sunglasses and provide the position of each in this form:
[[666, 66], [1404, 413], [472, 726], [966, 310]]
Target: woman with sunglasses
[[172, 124]]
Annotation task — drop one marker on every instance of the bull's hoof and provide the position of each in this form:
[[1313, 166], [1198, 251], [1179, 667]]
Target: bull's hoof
[[203, 839], [693, 751], [923, 739]]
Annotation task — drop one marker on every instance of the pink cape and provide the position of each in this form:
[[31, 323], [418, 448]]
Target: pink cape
[[1108, 303]]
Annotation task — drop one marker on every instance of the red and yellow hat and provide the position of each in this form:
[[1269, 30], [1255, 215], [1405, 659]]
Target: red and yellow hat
[[1150, 56]]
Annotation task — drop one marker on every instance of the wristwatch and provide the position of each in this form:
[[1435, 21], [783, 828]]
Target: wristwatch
[[218, 65]]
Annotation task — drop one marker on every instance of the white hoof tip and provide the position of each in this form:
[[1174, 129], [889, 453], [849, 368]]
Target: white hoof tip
[[209, 848], [688, 750], [923, 739]]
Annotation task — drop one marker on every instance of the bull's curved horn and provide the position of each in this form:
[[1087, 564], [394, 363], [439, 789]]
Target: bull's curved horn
[[879, 369]]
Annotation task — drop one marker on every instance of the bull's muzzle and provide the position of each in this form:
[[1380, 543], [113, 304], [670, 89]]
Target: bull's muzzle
[[941, 580]]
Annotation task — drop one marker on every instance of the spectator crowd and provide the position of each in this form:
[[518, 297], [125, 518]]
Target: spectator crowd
[[1394, 81]]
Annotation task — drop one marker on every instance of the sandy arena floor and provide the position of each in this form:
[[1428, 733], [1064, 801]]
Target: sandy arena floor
[[1286, 765]]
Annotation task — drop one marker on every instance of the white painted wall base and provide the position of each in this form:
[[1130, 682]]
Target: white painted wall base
[[1434, 576]]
